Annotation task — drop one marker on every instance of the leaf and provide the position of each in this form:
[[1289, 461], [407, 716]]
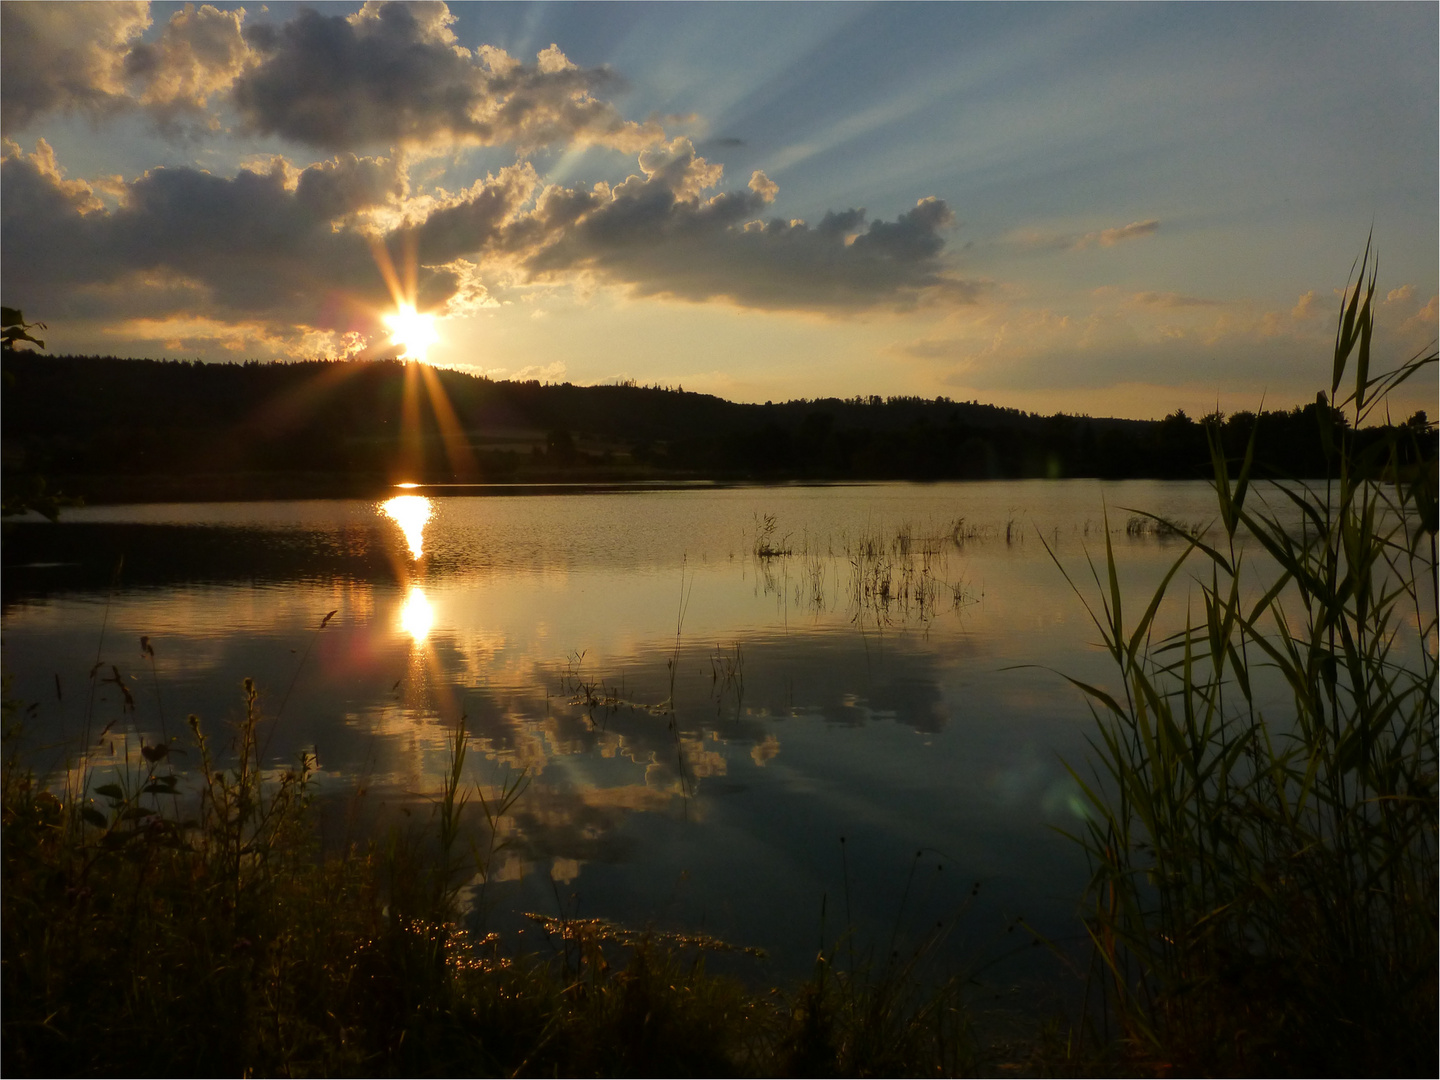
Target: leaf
[[110, 791], [93, 816]]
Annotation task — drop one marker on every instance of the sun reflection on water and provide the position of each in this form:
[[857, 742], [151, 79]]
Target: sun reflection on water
[[411, 513], [416, 615]]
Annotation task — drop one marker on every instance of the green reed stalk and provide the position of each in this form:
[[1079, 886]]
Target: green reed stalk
[[1264, 863]]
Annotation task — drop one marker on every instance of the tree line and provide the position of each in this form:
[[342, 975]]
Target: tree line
[[106, 428]]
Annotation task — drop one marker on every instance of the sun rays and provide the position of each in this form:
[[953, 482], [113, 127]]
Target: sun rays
[[415, 332], [410, 328]]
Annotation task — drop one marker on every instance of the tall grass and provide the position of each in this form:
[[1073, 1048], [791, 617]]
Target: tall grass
[[1263, 800], [163, 921]]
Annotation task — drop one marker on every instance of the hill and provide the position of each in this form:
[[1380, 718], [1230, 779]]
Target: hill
[[109, 429]]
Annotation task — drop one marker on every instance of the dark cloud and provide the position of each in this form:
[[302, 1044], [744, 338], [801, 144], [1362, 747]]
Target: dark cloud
[[292, 251], [64, 58], [657, 236], [393, 74], [470, 225], [347, 185], [260, 246], [390, 74]]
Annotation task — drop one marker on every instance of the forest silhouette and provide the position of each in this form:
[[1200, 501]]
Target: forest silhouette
[[107, 429]]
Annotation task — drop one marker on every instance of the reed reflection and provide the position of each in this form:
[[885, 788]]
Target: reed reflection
[[411, 513]]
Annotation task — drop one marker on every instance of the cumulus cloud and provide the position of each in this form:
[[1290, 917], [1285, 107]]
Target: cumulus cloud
[[200, 54], [391, 74], [65, 58], [262, 247], [471, 222], [348, 185], [656, 234], [88, 58], [394, 74], [295, 251]]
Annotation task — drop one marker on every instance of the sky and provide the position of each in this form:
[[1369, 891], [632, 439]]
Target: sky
[[1112, 209]]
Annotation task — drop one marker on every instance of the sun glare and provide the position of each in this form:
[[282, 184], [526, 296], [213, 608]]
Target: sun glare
[[412, 331], [416, 615], [410, 512]]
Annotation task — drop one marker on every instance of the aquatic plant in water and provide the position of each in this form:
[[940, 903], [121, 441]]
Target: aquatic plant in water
[[1263, 896]]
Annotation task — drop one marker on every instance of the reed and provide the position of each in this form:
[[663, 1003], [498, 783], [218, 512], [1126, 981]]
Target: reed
[[1263, 798]]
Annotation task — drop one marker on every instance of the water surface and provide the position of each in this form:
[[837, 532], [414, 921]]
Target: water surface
[[701, 723]]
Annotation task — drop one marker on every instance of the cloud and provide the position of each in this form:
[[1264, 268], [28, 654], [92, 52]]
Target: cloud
[[541, 373], [293, 251], [657, 235], [1421, 326], [1052, 241], [930, 348], [763, 186], [1238, 350], [393, 74], [270, 248], [1171, 300], [65, 58], [1111, 237], [348, 185], [200, 54], [89, 58], [469, 223]]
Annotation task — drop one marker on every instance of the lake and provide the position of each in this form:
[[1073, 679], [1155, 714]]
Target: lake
[[706, 688]]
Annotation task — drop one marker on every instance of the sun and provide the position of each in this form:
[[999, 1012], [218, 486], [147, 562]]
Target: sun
[[412, 331]]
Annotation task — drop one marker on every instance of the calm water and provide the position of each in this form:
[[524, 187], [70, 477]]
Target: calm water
[[700, 725]]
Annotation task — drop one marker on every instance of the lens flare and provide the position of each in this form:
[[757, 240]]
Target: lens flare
[[416, 615], [414, 332], [411, 513]]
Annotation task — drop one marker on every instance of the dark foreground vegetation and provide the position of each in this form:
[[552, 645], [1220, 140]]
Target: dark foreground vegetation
[[151, 930], [109, 430], [1263, 899]]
